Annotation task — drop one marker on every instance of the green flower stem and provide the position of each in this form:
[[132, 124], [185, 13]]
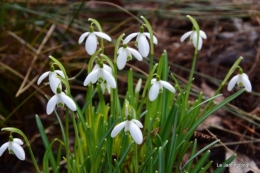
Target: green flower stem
[[196, 26], [135, 158], [223, 83], [67, 139], [15, 130]]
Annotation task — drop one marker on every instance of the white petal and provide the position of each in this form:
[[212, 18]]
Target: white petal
[[107, 68], [232, 83], [103, 87], [135, 133], [153, 80], [60, 73], [109, 78], [154, 91], [138, 123], [138, 85], [91, 44], [127, 125], [51, 104], [246, 82], [168, 86], [117, 129], [186, 35], [43, 76], [200, 43], [18, 141], [203, 34], [93, 77], [103, 35], [147, 34], [143, 45], [68, 101], [3, 148], [120, 50], [18, 151], [121, 59], [96, 67], [129, 37], [136, 54], [82, 37], [54, 82]]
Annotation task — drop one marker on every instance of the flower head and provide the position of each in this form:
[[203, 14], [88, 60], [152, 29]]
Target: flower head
[[241, 80], [130, 125], [141, 41], [91, 41], [103, 73], [124, 54], [53, 80], [157, 86], [105, 87], [14, 147], [59, 99], [194, 37]]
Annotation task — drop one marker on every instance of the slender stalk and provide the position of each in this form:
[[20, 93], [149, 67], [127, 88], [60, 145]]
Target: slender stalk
[[67, 139]]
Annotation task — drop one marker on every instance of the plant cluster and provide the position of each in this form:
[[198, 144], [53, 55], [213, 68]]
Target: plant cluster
[[157, 117]]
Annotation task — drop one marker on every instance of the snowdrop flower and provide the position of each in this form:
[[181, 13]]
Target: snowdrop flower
[[241, 80], [130, 125], [59, 99], [157, 86], [138, 85], [53, 80], [101, 72], [105, 87], [91, 41], [14, 147], [125, 54], [194, 36], [141, 41]]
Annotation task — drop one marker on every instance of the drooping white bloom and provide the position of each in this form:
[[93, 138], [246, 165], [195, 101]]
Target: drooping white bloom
[[53, 80], [141, 41], [241, 80], [138, 85], [194, 36], [91, 41], [59, 99], [14, 147], [157, 86], [101, 72], [133, 126], [105, 87], [124, 54]]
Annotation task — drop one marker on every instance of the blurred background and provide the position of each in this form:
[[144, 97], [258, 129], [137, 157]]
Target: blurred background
[[31, 30]]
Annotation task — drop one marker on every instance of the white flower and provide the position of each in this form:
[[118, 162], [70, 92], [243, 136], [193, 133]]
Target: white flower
[[101, 73], [157, 86], [53, 80], [60, 99], [105, 87], [133, 126], [138, 85], [193, 37], [91, 41], [14, 148], [241, 80], [142, 43], [124, 54]]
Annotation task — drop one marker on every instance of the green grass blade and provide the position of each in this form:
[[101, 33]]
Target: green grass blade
[[45, 141]]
